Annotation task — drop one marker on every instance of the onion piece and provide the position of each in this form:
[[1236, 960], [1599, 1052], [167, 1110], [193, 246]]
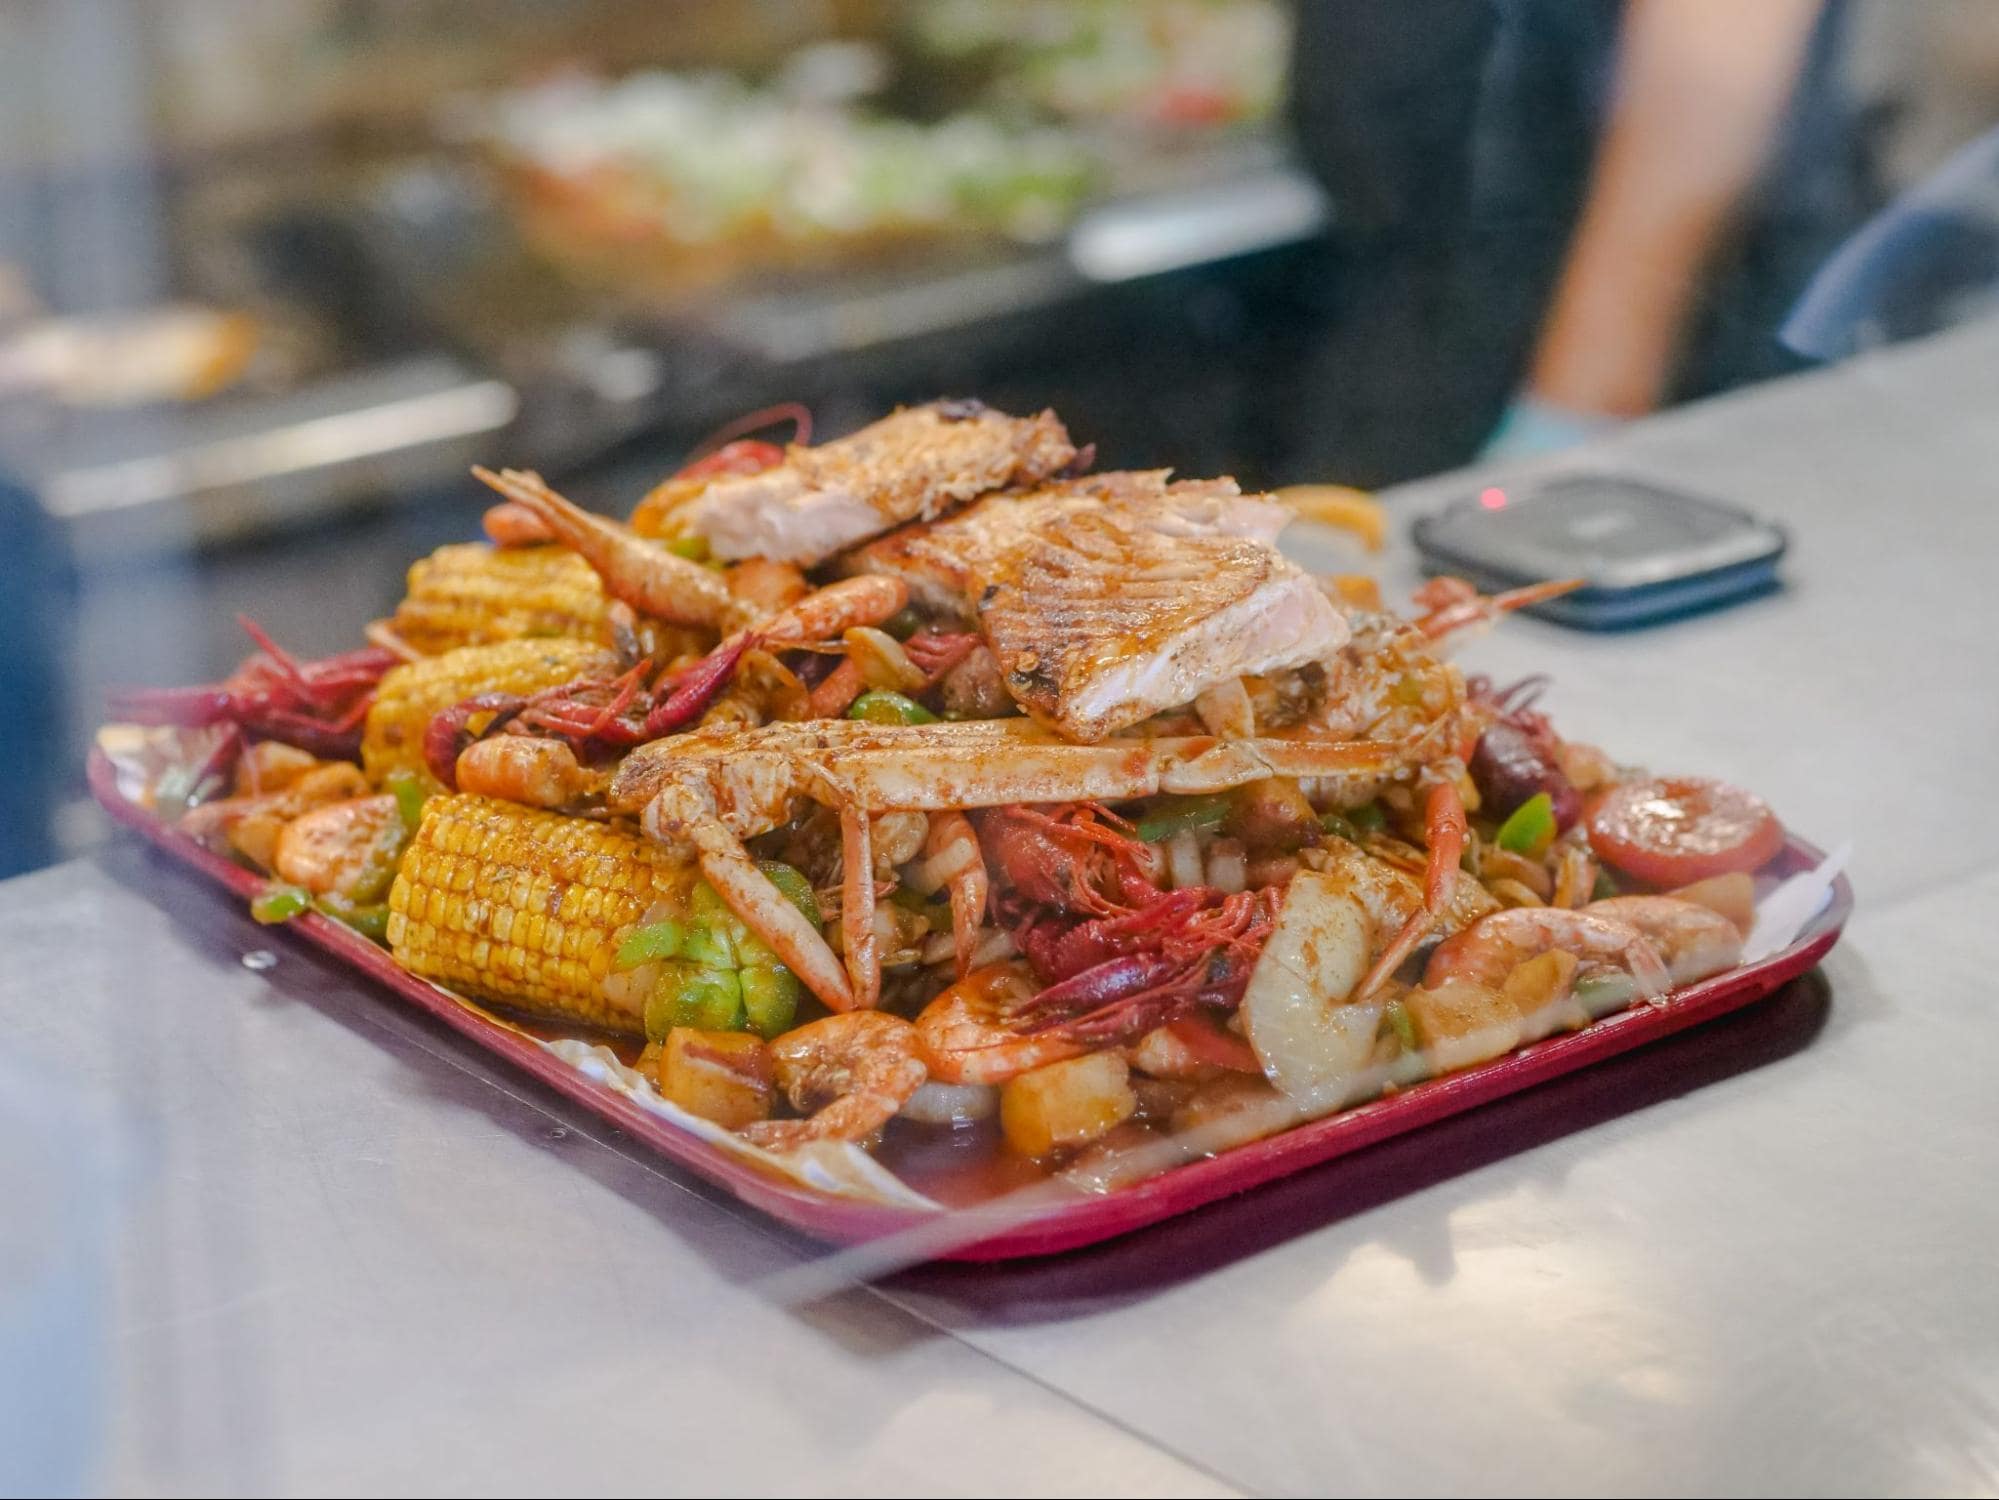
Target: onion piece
[[936, 1103]]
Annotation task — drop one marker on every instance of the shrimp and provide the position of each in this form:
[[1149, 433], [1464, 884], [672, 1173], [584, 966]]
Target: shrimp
[[343, 849], [1694, 940], [251, 824], [522, 768], [837, 608], [952, 860], [963, 1037], [766, 586], [853, 1072], [646, 576], [1313, 1005], [1491, 948], [510, 524]]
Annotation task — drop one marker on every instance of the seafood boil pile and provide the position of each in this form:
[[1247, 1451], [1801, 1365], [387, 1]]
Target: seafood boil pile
[[929, 781]]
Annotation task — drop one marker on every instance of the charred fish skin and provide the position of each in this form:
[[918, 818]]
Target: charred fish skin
[[1122, 618], [1111, 598], [946, 562], [912, 465]]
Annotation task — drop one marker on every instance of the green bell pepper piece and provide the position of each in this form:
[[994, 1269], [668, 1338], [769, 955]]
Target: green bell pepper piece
[[796, 889], [410, 794], [691, 994], [370, 919], [650, 942], [279, 903], [693, 548], [881, 706], [771, 993], [1180, 814], [1340, 826], [1530, 828]]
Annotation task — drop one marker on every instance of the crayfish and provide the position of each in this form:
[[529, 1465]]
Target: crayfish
[[318, 706]]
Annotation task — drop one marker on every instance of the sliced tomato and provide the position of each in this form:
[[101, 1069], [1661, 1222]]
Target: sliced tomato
[[1674, 830]]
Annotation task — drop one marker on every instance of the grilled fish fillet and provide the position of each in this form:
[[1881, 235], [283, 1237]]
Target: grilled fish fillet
[[912, 465], [1109, 599], [942, 563]]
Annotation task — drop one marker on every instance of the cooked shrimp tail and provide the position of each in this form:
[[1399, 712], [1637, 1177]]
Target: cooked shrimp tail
[[1490, 949]]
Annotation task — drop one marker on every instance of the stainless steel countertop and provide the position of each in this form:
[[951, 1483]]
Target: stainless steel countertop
[[352, 1253]]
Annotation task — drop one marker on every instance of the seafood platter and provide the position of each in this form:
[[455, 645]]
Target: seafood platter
[[926, 827]]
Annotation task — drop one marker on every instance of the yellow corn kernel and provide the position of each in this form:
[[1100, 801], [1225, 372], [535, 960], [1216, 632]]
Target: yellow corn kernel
[[411, 694], [557, 897]]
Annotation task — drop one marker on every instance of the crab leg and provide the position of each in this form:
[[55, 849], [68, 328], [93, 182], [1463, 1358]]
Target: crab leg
[[648, 577], [1444, 816], [708, 790], [991, 763], [857, 906], [678, 815]]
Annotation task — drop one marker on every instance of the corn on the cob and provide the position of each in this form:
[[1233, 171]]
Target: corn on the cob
[[528, 908], [410, 694], [469, 594]]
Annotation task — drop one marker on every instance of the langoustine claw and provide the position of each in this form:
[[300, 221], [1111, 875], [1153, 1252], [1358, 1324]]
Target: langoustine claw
[[1455, 605]]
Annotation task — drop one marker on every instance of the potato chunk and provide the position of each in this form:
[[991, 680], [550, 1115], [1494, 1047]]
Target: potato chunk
[[1543, 990], [724, 1076], [1066, 1103], [1460, 1023]]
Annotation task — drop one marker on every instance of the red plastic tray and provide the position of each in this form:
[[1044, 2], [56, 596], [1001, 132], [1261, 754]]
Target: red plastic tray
[[1064, 1222]]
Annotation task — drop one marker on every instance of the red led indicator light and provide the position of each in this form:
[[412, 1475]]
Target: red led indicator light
[[1492, 499]]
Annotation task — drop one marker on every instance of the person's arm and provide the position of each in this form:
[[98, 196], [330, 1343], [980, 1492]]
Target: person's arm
[[1700, 88]]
